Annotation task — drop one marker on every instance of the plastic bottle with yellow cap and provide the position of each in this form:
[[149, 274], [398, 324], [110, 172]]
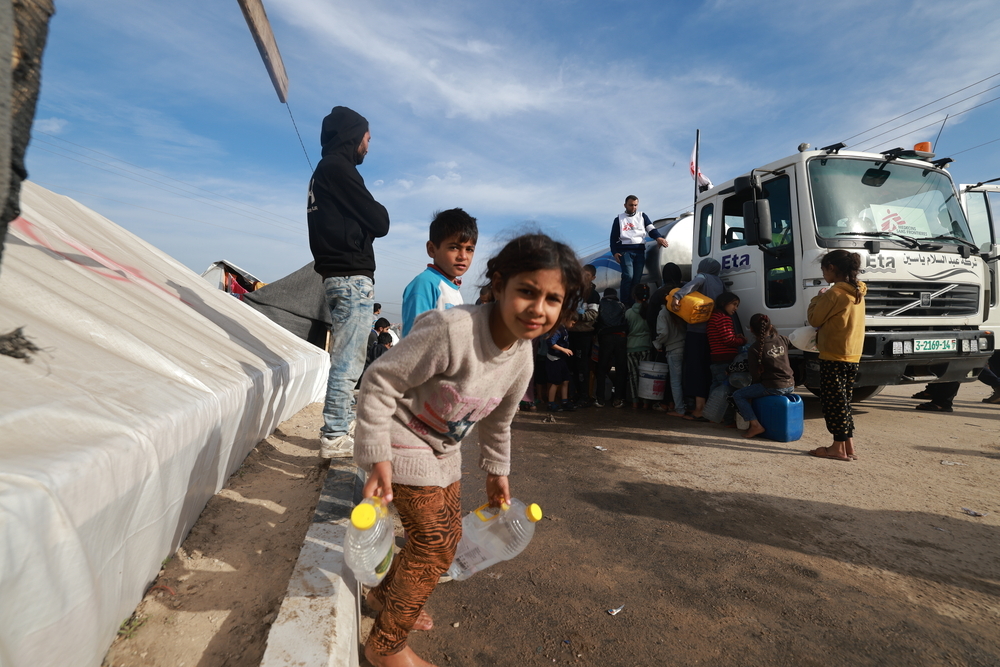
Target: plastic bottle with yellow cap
[[369, 542], [490, 536]]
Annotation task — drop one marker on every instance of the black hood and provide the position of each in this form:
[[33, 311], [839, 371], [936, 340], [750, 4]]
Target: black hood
[[343, 130]]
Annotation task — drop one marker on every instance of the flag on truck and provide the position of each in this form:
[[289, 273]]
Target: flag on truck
[[701, 179]]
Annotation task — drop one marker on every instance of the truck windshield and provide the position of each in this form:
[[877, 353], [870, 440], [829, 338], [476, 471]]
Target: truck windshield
[[865, 197]]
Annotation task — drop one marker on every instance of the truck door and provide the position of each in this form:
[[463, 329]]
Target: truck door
[[764, 280], [982, 207]]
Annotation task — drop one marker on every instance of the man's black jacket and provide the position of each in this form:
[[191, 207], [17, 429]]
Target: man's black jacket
[[343, 216]]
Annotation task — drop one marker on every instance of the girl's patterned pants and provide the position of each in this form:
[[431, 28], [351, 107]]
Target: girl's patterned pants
[[432, 518], [836, 388]]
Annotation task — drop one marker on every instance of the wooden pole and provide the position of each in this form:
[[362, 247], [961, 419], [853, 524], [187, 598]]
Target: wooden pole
[[260, 28]]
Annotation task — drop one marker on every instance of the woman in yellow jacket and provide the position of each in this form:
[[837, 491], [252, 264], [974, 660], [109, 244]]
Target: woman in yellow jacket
[[839, 313]]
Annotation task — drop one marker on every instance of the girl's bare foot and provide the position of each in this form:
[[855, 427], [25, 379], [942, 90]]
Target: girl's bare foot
[[423, 622], [405, 658], [754, 429], [849, 448]]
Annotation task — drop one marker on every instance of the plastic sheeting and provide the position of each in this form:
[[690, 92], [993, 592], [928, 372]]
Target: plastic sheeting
[[151, 388]]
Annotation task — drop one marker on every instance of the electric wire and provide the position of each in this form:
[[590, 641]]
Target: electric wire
[[917, 129], [923, 106], [172, 192], [966, 150], [299, 136], [190, 185], [173, 215], [899, 127]]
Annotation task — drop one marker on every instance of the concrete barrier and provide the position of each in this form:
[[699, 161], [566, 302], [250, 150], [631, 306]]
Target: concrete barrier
[[318, 624]]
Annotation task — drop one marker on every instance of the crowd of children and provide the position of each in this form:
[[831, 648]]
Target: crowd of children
[[535, 326]]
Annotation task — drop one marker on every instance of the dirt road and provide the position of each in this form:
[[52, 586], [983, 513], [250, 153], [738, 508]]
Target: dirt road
[[732, 552], [723, 551]]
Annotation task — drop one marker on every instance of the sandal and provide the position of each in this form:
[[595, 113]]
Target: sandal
[[922, 395], [824, 453]]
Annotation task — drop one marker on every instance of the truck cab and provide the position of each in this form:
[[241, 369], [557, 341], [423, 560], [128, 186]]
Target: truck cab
[[927, 281]]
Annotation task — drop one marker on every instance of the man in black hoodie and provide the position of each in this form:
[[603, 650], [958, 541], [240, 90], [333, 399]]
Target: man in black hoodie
[[344, 219]]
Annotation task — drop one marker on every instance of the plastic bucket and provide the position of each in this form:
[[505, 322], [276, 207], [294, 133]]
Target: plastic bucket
[[652, 380]]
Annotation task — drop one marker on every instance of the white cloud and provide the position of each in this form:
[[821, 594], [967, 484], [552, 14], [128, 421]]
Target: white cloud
[[50, 125]]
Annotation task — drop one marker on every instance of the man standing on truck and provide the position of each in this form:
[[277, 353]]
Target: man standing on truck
[[344, 219], [628, 236]]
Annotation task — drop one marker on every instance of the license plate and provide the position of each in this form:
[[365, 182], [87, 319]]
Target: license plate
[[935, 345]]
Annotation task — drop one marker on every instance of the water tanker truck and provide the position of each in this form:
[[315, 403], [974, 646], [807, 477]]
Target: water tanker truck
[[929, 281]]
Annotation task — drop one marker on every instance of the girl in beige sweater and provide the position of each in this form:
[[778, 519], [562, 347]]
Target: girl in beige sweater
[[456, 368]]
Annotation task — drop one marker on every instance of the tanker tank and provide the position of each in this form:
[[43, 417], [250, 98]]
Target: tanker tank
[[678, 232]]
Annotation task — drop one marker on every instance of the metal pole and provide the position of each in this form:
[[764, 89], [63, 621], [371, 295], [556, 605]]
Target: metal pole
[[697, 151]]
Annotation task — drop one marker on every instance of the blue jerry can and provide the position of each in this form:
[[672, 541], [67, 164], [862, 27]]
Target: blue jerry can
[[781, 416]]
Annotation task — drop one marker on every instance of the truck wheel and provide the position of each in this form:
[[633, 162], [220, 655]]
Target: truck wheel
[[864, 393]]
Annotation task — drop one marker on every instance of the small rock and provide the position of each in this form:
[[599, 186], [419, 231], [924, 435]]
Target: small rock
[[455, 624]]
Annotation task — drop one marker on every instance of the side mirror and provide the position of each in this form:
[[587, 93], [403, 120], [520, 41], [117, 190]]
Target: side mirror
[[988, 251], [744, 183], [757, 222]]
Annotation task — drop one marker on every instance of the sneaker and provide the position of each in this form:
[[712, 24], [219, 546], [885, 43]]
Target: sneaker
[[995, 398], [336, 447], [568, 407], [598, 403], [555, 407], [617, 403]]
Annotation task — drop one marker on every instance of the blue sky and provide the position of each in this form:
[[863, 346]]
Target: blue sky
[[161, 115]]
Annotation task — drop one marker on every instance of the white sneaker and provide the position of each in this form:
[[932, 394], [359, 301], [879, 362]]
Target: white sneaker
[[339, 447]]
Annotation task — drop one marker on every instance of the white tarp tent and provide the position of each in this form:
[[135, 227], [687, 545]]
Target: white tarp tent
[[151, 388]]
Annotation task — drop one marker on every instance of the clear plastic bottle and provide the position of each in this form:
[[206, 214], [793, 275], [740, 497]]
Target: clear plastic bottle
[[369, 542], [490, 536]]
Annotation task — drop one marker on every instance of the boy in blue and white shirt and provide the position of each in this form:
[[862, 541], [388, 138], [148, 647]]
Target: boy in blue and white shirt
[[628, 236], [453, 236]]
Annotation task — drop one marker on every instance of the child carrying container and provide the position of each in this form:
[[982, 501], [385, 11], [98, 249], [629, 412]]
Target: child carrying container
[[697, 376], [769, 368], [456, 368]]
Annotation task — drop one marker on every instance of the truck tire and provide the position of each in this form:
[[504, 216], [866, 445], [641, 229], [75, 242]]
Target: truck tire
[[860, 393]]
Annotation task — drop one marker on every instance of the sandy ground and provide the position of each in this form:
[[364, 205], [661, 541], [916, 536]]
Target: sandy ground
[[723, 551], [215, 599]]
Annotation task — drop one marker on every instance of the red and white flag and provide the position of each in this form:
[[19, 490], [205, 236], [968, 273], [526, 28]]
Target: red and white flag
[[701, 179]]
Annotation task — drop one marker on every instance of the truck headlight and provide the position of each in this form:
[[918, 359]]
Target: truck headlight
[[907, 347], [897, 347], [984, 344], [974, 345]]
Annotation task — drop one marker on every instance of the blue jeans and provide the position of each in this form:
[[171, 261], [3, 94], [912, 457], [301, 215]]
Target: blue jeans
[[350, 299], [675, 361], [743, 398], [633, 263], [720, 375]]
